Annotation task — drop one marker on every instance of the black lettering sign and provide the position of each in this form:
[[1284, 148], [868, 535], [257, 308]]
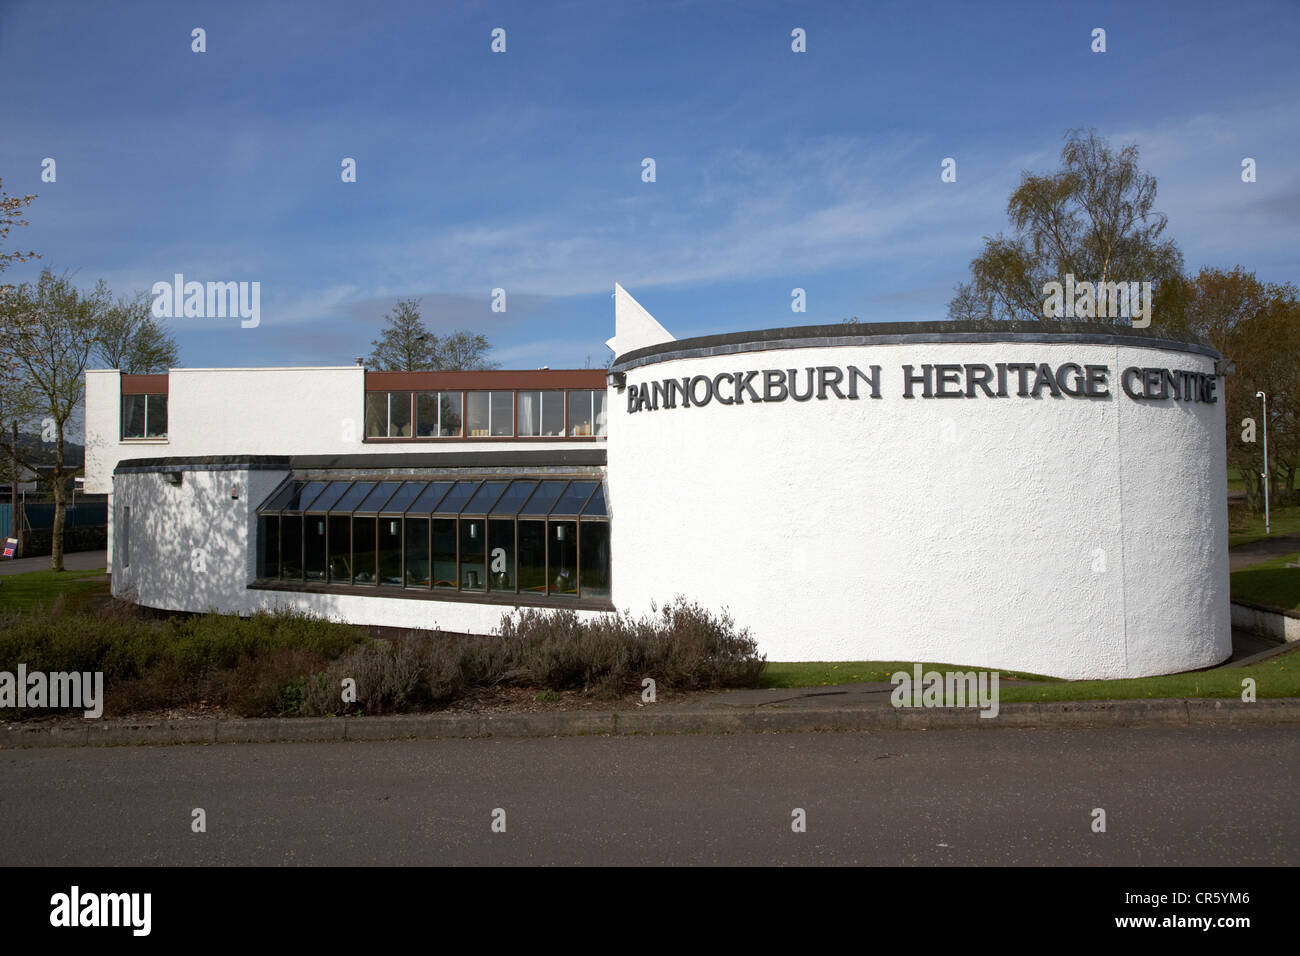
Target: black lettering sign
[[1068, 380]]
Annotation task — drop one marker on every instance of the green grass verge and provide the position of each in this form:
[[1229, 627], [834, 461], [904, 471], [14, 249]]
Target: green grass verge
[[1271, 583], [1278, 677], [832, 673], [22, 592], [1245, 526]]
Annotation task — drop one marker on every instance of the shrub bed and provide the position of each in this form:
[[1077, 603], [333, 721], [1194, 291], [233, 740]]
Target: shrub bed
[[289, 663]]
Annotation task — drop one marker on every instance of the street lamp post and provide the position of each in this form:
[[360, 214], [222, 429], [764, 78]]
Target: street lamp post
[[1265, 476]]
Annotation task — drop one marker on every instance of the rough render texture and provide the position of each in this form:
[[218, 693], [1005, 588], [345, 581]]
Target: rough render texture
[[1079, 538], [170, 523]]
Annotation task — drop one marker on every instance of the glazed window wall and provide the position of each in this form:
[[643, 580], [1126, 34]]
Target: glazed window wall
[[539, 535], [479, 414]]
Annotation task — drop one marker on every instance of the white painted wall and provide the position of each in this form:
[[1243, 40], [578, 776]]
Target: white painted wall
[[249, 411], [955, 531], [1258, 620], [169, 524], [103, 411]]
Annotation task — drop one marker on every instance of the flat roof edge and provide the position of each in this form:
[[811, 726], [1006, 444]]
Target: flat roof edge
[[523, 458], [903, 333]]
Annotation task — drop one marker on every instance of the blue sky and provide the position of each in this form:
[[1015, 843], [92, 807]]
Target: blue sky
[[522, 170]]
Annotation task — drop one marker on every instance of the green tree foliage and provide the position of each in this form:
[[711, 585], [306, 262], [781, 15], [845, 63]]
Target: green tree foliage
[[407, 345], [129, 339], [1256, 325], [1092, 219], [11, 215], [47, 334], [464, 351]]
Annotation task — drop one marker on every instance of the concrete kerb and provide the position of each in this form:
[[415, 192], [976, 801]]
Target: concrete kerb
[[649, 721]]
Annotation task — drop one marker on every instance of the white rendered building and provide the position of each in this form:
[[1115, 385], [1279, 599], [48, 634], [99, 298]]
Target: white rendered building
[[1040, 497]]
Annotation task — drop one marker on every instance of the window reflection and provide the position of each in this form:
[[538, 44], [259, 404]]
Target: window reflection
[[376, 414], [155, 416], [598, 413], [449, 410], [132, 416], [340, 535], [540, 548], [269, 565], [473, 551], [562, 558], [580, 417], [501, 555], [416, 560], [363, 550], [399, 414], [526, 413], [594, 561], [314, 548], [426, 414], [502, 414], [478, 414], [291, 547], [390, 551], [444, 553], [144, 416], [532, 557]]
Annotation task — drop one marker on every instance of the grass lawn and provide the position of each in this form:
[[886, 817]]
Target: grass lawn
[[21, 592], [1278, 677], [830, 673], [1271, 583], [1245, 526]]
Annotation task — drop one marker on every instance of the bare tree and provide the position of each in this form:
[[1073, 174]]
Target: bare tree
[[131, 340], [461, 351], [11, 208], [407, 345], [47, 334]]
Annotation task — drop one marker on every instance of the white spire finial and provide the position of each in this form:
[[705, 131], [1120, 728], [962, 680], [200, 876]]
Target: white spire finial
[[634, 327]]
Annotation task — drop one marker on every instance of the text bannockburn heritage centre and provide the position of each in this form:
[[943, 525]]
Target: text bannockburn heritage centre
[[979, 380]]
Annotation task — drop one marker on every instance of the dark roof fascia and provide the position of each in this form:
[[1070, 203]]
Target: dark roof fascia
[[514, 458], [904, 333]]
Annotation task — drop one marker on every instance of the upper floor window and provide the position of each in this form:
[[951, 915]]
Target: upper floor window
[[539, 414], [587, 413], [144, 416], [486, 413], [491, 414], [437, 414]]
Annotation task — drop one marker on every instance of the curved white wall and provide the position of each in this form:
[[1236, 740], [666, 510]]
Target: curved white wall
[[1073, 537]]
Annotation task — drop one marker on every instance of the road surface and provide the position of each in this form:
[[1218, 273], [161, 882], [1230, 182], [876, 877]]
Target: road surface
[[1217, 796]]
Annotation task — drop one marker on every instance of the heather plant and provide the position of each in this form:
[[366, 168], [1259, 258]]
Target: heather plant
[[285, 663]]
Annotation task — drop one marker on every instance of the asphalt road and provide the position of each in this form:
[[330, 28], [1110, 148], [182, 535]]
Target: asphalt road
[[1172, 796]]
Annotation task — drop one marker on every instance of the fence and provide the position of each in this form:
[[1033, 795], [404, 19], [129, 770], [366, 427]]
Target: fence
[[40, 516]]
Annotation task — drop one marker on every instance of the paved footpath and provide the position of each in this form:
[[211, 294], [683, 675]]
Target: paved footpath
[[1172, 796], [1265, 549], [72, 561]]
